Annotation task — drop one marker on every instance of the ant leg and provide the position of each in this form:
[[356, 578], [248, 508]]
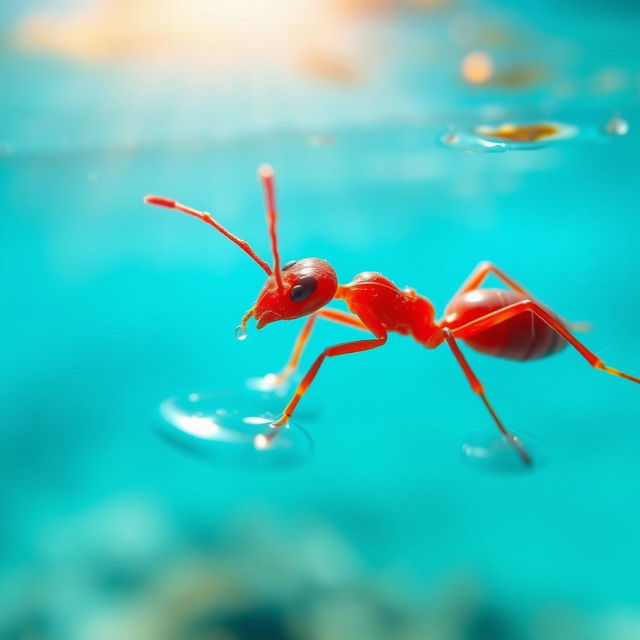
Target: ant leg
[[296, 352], [262, 440], [528, 306], [482, 271], [341, 317], [477, 387]]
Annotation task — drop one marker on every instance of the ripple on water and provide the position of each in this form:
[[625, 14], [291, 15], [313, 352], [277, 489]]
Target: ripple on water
[[617, 126], [508, 136], [489, 451], [233, 428]]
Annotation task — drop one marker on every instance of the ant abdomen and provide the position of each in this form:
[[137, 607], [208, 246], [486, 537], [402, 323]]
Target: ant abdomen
[[523, 337]]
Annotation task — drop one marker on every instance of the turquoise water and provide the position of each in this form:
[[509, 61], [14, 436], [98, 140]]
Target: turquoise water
[[110, 307]]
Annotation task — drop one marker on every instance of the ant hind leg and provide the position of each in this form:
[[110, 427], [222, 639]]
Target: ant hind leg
[[482, 272], [529, 306], [478, 388]]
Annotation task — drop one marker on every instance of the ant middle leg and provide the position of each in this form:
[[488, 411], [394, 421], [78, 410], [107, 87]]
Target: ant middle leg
[[529, 306], [262, 440], [478, 388], [335, 315]]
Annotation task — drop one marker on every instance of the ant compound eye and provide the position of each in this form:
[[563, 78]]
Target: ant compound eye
[[303, 288], [286, 265]]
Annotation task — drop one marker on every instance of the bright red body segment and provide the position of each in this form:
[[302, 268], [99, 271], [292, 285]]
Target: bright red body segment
[[524, 337], [321, 283], [401, 311]]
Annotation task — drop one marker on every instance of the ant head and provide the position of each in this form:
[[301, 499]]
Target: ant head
[[297, 289], [307, 285]]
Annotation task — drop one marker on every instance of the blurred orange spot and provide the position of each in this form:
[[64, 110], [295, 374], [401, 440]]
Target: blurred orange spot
[[477, 67], [522, 133], [517, 77], [329, 67], [360, 7], [226, 34]]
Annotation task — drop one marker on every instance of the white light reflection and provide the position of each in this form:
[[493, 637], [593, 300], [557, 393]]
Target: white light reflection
[[261, 441], [204, 427], [256, 420], [232, 428], [270, 383]]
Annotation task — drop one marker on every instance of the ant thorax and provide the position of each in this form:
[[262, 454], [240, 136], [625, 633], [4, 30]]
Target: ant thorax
[[402, 311]]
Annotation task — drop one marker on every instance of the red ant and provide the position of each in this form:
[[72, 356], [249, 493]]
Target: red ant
[[505, 323]]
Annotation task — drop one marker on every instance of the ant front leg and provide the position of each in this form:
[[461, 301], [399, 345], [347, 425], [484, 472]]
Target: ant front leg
[[334, 315], [529, 306], [478, 388], [371, 324]]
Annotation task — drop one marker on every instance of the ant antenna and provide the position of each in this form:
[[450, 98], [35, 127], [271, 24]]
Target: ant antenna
[[159, 201], [267, 176]]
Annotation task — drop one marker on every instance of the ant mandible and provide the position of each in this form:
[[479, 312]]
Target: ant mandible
[[504, 323]]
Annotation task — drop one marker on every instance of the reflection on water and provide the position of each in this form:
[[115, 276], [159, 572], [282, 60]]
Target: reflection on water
[[528, 132], [509, 136], [487, 450], [617, 126], [230, 428]]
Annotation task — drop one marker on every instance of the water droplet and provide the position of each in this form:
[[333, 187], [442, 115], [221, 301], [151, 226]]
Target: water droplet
[[617, 127], [508, 137], [471, 142], [233, 428], [488, 450], [241, 332], [510, 132]]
